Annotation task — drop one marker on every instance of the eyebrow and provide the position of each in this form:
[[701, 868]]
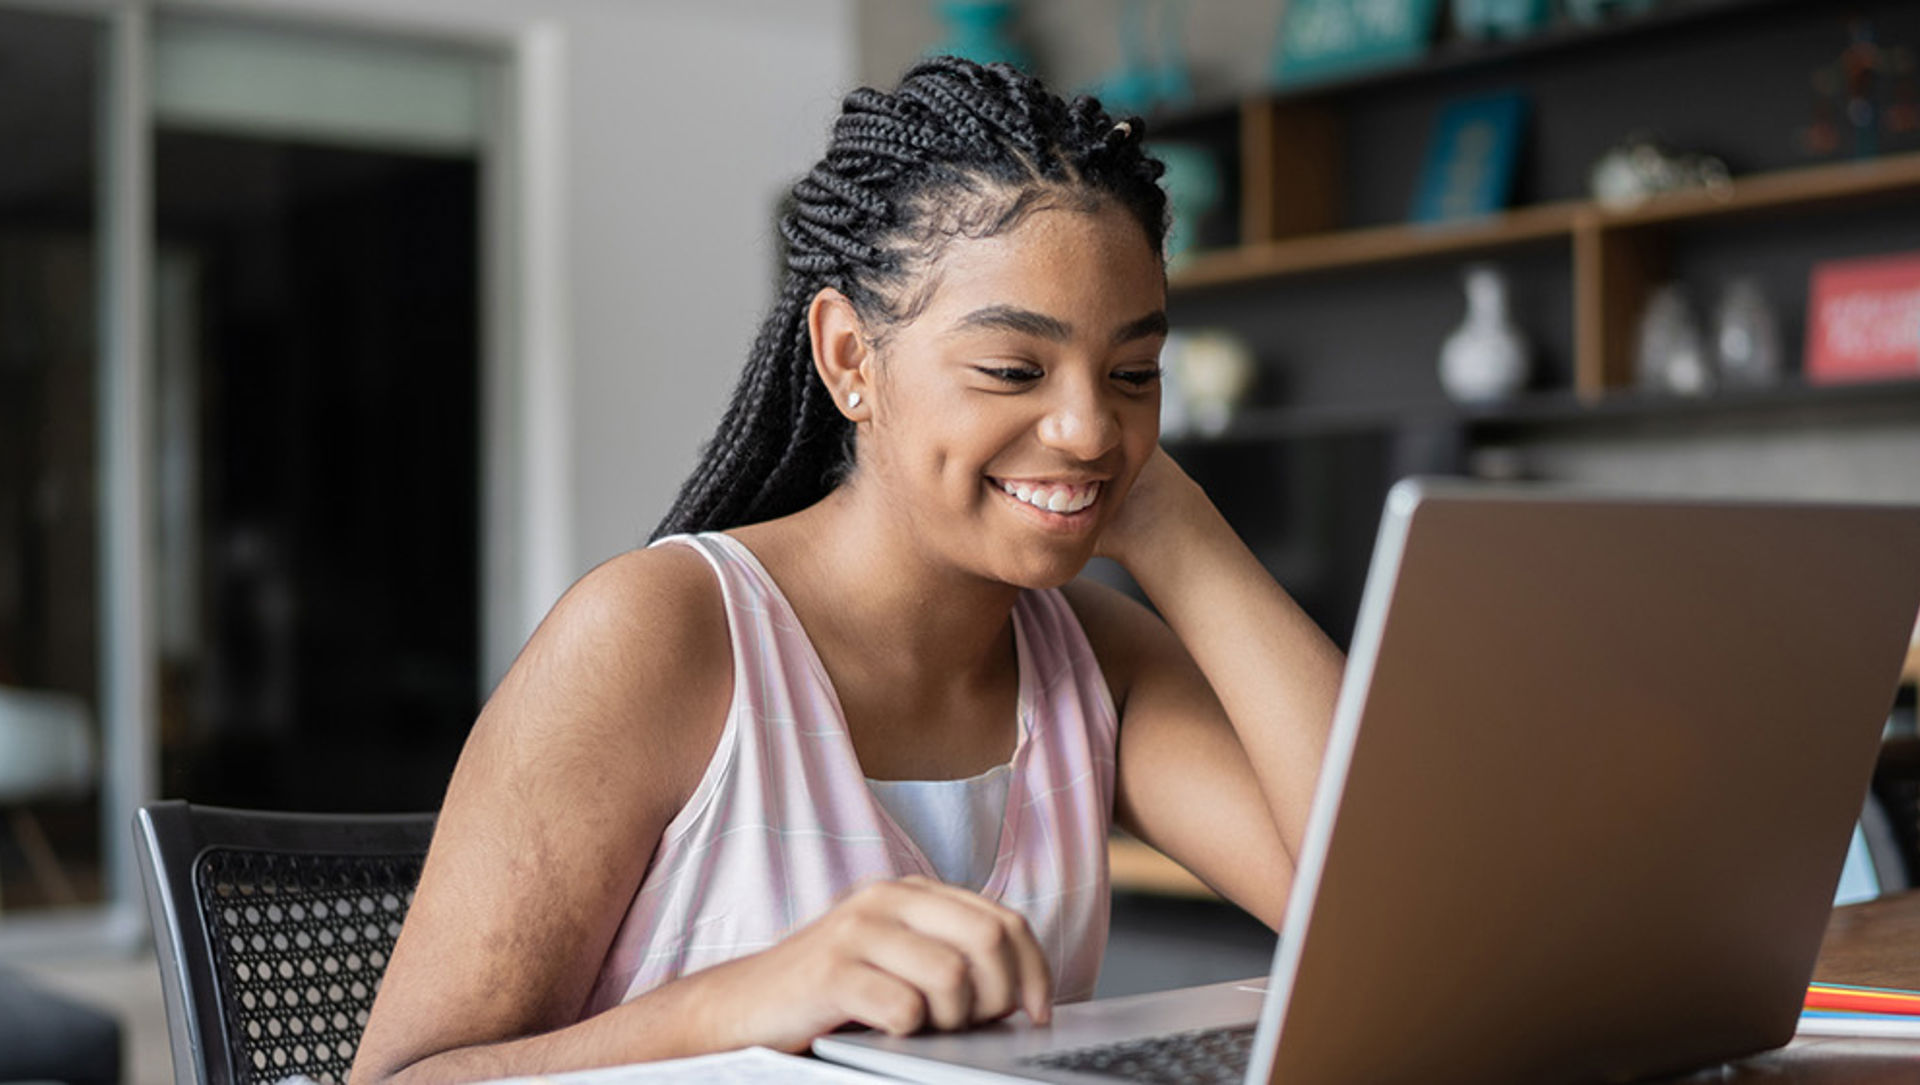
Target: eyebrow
[[1154, 323], [1040, 325]]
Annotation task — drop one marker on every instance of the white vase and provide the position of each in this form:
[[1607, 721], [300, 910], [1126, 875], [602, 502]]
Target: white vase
[[1485, 359], [1215, 370], [1672, 357]]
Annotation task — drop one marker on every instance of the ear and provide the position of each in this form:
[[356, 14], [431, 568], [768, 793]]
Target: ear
[[842, 353]]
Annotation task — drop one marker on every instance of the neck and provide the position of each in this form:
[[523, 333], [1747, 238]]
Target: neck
[[868, 590], [920, 653]]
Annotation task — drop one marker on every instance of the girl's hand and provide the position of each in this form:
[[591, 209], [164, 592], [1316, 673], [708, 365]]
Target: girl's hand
[[898, 956], [1161, 500]]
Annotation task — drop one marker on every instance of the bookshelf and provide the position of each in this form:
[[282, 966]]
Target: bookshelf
[[1344, 303], [1617, 254]]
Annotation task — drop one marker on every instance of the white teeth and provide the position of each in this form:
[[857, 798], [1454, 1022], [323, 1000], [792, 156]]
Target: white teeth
[[1054, 499]]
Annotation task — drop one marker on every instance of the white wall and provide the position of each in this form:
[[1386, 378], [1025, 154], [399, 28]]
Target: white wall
[[690, 121], [685, 122]]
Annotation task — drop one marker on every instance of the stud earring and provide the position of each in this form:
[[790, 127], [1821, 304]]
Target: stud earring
[[853, 400]]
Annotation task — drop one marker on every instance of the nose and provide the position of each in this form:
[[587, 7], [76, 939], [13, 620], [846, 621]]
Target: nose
[[1080, 422]]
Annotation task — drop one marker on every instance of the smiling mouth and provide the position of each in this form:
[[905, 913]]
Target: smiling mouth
[[1063, 499]]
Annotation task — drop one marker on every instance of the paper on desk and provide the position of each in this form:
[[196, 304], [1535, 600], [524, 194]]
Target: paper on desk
[[751, 1066], [1825, 1023]]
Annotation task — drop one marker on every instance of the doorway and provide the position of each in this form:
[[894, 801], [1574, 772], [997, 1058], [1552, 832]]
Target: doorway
[[319, 380], [50, 478]]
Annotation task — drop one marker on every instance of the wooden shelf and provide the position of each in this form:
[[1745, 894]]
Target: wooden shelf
[[1377, 245], [1620, 408], [1617, 256], [1801, 189], [1786, 190], [1261, 424], [1136, 867], [1788, 401]]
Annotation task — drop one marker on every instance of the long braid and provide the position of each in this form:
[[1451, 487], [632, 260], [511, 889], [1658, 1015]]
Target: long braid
[[957, 149]]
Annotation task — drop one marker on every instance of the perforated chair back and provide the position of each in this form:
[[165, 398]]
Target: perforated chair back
[[272, 932]]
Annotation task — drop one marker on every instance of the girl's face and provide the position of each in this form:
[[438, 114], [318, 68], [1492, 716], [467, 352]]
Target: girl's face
[[1011, 416]]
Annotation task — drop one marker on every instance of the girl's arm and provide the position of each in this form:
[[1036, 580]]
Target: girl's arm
[[580, 760], [1226, 698]]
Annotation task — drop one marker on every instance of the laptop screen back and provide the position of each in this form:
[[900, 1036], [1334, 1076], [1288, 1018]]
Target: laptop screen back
[[1589, 786]]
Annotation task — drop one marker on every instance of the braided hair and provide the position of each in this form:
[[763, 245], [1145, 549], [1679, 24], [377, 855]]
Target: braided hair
[[958, 150]]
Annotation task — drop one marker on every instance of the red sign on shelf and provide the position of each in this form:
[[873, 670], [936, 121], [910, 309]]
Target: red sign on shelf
[[1863, 319]]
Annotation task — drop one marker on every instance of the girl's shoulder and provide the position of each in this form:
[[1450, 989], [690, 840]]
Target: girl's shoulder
[[673, 576], [634, 657], [658, 609]]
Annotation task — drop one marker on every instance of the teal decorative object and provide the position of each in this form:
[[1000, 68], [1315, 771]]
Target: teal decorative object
[[979, 31], [1321, 39], [1143, 83], [1175, 81], [1478, 19]]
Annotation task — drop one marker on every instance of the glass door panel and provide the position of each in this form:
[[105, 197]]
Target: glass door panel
[[50, 467], [317, 313]]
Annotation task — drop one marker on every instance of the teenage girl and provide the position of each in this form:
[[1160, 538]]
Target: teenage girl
[[845, 742]]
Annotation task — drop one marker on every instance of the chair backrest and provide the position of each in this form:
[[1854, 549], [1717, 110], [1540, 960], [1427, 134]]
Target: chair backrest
[[272, 932], [1882, 850], [1896, 784]]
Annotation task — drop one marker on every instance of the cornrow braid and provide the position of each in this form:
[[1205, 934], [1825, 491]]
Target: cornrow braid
[[957, 150]]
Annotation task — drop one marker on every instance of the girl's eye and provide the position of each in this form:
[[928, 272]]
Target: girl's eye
[[1139, 378], [1010, 374]]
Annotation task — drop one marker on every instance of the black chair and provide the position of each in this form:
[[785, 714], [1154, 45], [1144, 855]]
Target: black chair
[[1896, 787], [47, 1037], [272, 932]]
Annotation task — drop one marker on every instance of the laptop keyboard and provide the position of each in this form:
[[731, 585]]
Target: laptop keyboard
[[1180, 1058]]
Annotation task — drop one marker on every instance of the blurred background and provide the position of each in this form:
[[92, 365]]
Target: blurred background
[[336, 339], [338, 336]]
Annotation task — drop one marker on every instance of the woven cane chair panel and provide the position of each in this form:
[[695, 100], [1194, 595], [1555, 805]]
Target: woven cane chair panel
[[300, 943]]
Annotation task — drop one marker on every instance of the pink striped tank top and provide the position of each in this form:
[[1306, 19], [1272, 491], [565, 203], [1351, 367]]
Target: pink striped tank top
[[782, 823]]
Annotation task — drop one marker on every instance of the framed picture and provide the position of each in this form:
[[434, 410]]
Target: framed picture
[[1863, 319], [1471, 158], [1321, 39]]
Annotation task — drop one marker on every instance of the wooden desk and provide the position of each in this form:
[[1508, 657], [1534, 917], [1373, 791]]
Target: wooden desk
[[1876, 943], [1873, 943]]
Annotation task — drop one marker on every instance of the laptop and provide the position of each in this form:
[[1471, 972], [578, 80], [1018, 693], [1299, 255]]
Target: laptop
[[1591, 780]]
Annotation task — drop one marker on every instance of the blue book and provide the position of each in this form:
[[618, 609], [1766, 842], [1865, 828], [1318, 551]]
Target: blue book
[[1471, 158]]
